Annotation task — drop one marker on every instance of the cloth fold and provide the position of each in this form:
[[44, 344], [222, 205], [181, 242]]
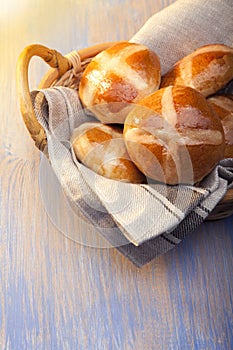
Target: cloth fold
[[141, 221]]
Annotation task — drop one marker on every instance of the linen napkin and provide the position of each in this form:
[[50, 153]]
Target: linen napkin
[[141, 221]]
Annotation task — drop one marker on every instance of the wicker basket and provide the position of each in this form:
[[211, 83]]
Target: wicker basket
[[66, 71]]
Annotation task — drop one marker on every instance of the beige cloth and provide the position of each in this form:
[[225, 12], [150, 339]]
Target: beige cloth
[[186, 25]]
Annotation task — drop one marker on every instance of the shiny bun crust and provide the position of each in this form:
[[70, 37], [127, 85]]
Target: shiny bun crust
[[102, 149], [223, 106], [173, 136], [119, 75], [208, 69]]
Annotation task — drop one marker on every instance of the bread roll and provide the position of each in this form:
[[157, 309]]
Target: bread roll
[[223, 106], [173, 136], [116, 77], [102, 149], [208, 69]]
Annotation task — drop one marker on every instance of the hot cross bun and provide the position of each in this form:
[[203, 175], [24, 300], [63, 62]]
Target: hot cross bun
[[207, 69], [116, 77], [174, 136], [102, 148]]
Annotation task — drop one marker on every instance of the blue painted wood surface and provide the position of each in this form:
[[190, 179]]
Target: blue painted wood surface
[[57, 294]]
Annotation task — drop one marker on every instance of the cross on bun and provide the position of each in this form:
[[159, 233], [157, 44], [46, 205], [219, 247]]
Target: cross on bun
[[173, 136], [101, 148], [116, 77], [223, 106], [207, 69]]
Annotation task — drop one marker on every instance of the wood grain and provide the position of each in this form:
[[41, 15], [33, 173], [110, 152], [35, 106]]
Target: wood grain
[[58, 294]]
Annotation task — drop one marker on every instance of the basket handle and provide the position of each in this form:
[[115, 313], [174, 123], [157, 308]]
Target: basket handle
[[60, 65], [55, 60]]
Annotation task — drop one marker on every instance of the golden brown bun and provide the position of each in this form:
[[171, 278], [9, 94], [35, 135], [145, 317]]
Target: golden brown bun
[[122, 74], [223, 106], [102, 149], [173, 136], [208, 69]]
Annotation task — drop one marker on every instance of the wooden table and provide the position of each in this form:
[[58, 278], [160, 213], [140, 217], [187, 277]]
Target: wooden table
[[58, 294]]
